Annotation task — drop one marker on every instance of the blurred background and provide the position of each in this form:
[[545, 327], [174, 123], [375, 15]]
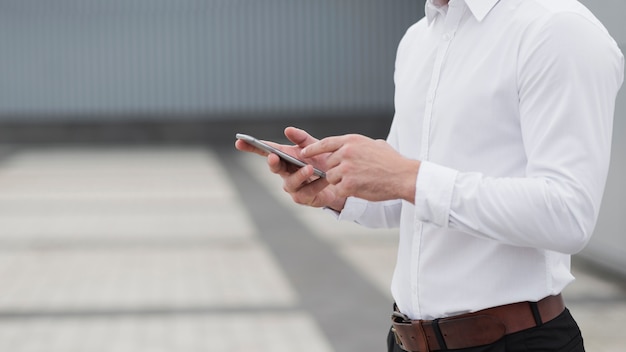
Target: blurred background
[[127, 221]]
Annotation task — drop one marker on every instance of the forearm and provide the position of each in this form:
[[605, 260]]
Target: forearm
[[541, 211], [337, 204], [529, 212]]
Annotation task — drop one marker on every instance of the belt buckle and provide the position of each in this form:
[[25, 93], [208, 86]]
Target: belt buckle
[[396, 337], [399, 318], [417, 341]]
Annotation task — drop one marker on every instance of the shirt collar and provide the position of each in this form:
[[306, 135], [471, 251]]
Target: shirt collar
[[479, 8]]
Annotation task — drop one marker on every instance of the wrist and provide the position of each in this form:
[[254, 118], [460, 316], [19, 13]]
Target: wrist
[[337, 204], [409, 180]]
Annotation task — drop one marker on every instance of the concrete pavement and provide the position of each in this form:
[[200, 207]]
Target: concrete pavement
[[181, 249]]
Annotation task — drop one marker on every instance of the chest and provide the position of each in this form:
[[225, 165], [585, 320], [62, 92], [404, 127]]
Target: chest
[[456, 83]]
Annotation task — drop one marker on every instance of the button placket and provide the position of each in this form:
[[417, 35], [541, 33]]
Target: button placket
[[451, 24]]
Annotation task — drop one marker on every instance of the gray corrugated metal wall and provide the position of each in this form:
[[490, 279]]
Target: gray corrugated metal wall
[[84, 57]]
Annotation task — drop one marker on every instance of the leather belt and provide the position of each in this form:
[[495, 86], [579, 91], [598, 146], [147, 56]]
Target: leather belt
[[473, 329]]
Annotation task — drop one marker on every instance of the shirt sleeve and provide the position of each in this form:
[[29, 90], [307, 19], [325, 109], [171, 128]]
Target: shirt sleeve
[[569, 72], [385, 214]]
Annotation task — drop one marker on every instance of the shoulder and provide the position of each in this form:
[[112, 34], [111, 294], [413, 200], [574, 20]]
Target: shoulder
[[415, 30], [557, 15], [563, 41], [563, 27], [413, 34]]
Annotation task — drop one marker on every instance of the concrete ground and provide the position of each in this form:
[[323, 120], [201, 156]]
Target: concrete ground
[[197, 249]]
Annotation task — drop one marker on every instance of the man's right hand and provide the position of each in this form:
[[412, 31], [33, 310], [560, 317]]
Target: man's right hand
[[304, 187]]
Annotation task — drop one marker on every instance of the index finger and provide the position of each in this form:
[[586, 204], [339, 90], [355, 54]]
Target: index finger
[[245, 147], [299, 137], [326, 145]]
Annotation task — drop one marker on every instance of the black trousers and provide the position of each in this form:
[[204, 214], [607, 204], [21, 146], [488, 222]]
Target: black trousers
[[558, 335]]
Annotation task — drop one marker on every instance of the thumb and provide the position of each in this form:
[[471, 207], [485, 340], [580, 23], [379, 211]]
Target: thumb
[[299, 137]]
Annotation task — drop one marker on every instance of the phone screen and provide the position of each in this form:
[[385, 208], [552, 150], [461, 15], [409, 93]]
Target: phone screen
[[268, 148]]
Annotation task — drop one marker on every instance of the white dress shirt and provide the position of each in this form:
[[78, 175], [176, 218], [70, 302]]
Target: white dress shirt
[[509, 105]]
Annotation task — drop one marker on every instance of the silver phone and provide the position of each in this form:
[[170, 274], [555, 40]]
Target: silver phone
[[268, 148]]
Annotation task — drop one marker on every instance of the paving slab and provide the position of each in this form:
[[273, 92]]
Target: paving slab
[[261, 332], [94, 280], [137, 249]]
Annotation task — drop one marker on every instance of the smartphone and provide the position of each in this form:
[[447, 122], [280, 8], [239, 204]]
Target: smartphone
[[268, 148]]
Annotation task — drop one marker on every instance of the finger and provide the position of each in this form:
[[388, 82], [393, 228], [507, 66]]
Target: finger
[[333, 176], [245, 147], [299, 137], [276, 165], [309, 193], [296, 180], [326, 145], [274, 144]]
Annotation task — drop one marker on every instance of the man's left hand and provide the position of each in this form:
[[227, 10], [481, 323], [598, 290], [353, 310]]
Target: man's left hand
[[366, 168]]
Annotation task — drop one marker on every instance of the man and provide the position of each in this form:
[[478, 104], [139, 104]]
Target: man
[[493, 170]]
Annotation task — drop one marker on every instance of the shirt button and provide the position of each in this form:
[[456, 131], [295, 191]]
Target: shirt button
[[446, 37]]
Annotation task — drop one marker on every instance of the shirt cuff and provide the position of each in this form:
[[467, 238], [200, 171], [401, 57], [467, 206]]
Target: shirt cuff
[[433, 193], [332, 212], [352, 209]]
